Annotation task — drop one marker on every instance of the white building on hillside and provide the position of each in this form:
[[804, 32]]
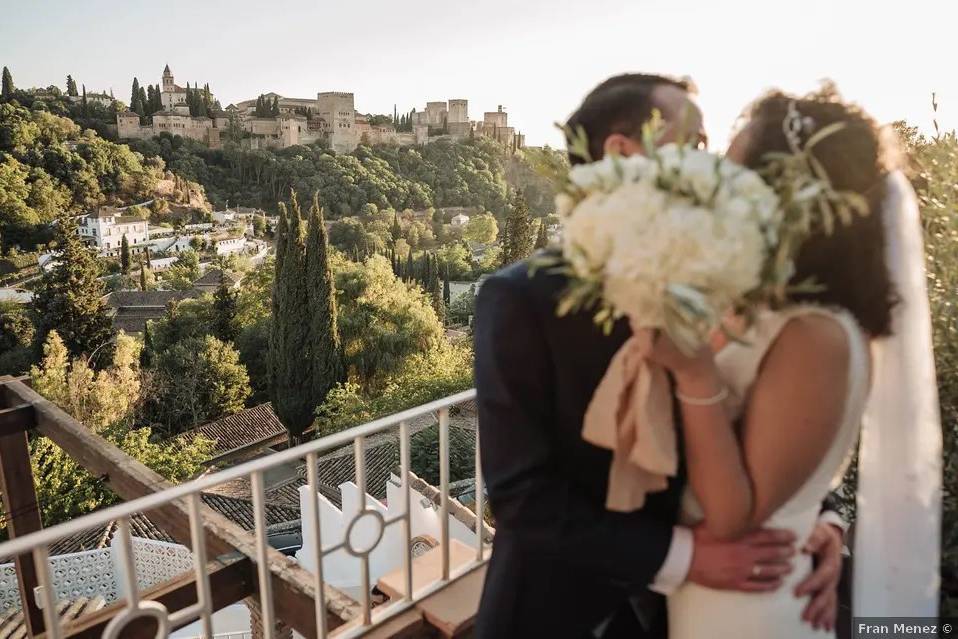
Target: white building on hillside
[[230, 245], [105, 228]]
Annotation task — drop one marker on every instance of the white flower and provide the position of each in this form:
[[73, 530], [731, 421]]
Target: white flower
[[564, 204], [684, 220]]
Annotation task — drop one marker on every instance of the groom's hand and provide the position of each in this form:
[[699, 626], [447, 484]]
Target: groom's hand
[[825, 544], [755, 563]]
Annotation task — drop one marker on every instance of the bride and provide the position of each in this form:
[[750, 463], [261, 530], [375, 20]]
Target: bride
[[769, 422]]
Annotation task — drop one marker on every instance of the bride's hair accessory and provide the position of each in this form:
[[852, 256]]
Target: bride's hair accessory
[[717, 398], [809, 202], [796, 125]]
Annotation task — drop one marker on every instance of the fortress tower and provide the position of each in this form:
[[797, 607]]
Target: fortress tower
[[339, 111], [458, 111]]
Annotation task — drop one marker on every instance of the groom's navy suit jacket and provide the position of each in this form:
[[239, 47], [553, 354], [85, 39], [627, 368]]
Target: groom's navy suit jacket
[[561, 563]]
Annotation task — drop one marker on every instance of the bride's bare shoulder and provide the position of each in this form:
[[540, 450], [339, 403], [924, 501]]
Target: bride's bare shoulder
[[816, 343]]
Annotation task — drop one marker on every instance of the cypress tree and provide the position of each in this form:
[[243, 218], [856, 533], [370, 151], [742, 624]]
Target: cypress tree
[[124, 255], [142, 276], [149, 262], [224, 311], [83, 101], [396, 229], [135, 105], [325, 348], [446, 294], [542, 239], [289, 361], [71, 87], [410, 269], [69, 297], [518, 238], [146, 354], [438, 305], [275, 110], [7, 88]]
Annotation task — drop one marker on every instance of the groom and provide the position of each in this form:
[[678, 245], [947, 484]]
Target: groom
[[562, 565]]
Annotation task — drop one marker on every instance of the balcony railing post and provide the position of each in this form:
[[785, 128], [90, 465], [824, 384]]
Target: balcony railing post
[[444, 490], [480, 502], [41, 563], [360, 452], [262, 556], [404, 457], [312, 512], [20, 502]]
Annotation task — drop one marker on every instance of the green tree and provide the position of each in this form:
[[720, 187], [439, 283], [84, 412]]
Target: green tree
[[147, 279], [16, 339], [124, 255], [424, 377], [224, 311], [197, 380], [481, 229], [7, 88], [325, 345], [71, 87], [290, 365], [463, 308], [106, 402], [518, 239], [184, 271], [68, 297], [383, 320], [542, 239], [396, 230]]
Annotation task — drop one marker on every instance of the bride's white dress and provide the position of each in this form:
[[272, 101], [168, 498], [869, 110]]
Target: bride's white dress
[[696, 612]]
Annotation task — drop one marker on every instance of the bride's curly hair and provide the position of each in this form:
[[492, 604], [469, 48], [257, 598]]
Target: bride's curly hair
[[848, 264]]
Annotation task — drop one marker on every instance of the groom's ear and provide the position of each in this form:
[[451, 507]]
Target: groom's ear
[[622, 145]]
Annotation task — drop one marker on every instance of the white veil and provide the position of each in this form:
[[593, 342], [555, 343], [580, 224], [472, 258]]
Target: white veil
[[897, 534]]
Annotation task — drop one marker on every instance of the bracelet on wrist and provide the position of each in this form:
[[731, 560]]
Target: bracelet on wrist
[[717, 398]]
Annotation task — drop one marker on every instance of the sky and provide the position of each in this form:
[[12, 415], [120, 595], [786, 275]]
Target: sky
[[536, 58]]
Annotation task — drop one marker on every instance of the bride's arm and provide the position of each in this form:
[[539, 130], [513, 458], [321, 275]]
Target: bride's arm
[[795, 408]]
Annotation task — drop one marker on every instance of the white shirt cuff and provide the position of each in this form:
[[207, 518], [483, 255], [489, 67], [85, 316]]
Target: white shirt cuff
[[833, 518], [677, 562]]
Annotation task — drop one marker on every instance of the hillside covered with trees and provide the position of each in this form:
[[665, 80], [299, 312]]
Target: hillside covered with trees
[[472, 173]]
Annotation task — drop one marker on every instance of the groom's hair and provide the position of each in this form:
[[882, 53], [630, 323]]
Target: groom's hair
[[621, 104]]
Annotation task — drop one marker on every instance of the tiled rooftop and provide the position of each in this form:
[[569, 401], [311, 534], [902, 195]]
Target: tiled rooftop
[[257, 425]]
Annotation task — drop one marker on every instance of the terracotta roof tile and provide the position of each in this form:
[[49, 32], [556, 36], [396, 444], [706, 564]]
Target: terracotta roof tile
[[240, 511], [241, 430]]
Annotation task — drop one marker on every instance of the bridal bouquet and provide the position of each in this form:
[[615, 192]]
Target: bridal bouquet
[[676, 239], [671, 241]]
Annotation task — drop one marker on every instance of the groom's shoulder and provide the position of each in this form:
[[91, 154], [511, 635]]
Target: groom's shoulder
[[529, 277]]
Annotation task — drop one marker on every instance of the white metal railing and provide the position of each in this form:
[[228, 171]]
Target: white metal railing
[[38, 543]]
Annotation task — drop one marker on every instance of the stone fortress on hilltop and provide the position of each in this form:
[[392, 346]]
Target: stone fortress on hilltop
[[330, 117]]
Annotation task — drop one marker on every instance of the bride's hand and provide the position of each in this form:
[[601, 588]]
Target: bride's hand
[[692, 372]]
